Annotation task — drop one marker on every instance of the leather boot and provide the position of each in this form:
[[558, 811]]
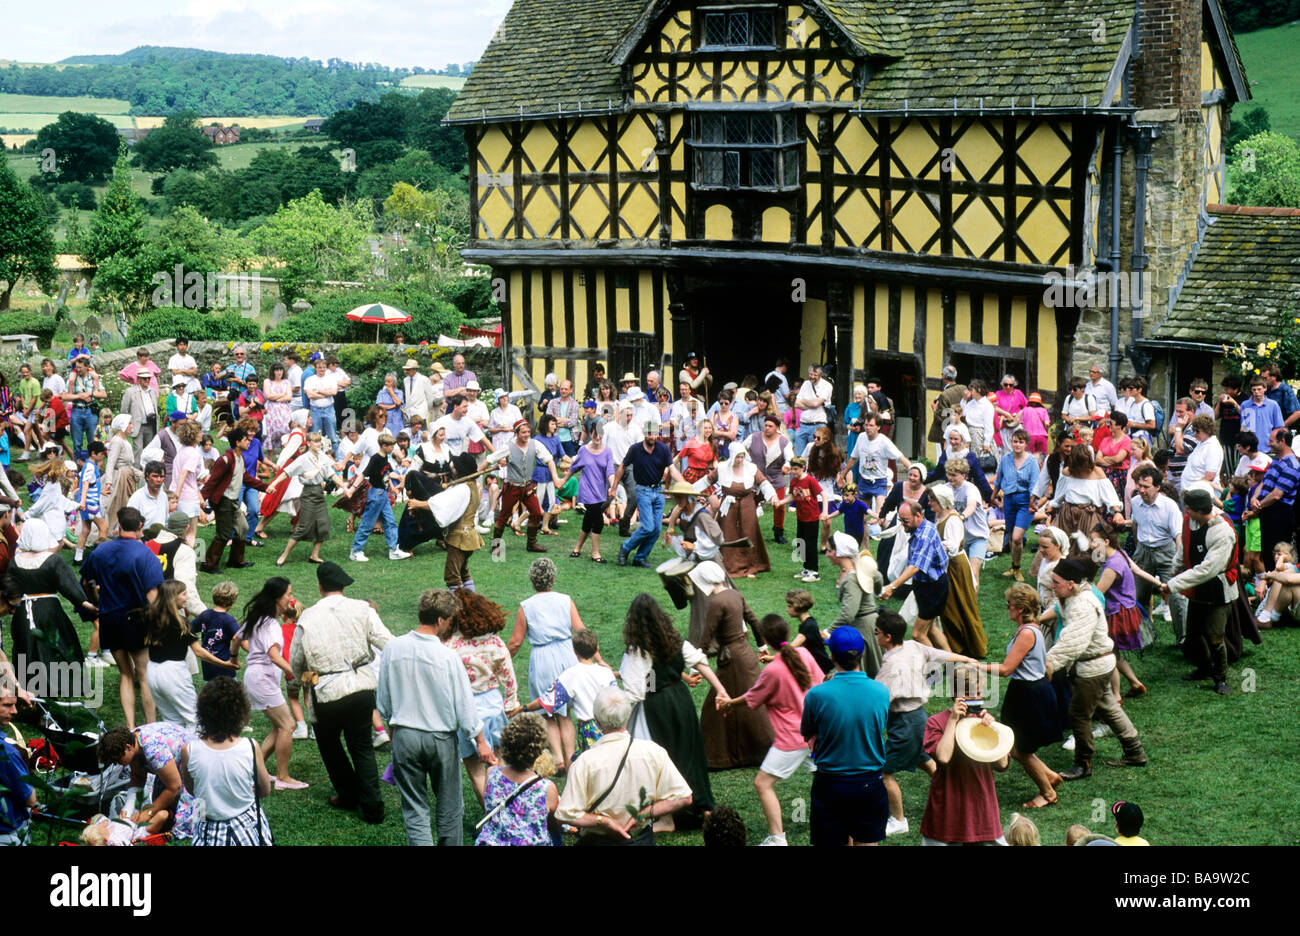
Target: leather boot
[[1134, 755], [212, 558], [532, 539], [1079, 771]]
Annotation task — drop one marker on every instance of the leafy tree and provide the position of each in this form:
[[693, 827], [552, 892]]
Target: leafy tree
[[1246, 124], [1266, 171], [75, 195], [190, 240], [315, 242], [116, 245], [26, 241], [177, 144], [366, 121], [445, 144], [84, 146]]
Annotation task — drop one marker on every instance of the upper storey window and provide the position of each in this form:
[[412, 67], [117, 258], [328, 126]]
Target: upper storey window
[[739, 29], [746, 149]]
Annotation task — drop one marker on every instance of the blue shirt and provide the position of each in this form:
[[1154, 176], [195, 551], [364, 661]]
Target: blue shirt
[[552, 444], [1261, 418], [215, 629], [855, 516], [925, 550], [14, 793], [847, 715], [1285, 398], [252, 456], [1283, 473], [1013, 480], [648, 467], [126, 570], [239, 374]]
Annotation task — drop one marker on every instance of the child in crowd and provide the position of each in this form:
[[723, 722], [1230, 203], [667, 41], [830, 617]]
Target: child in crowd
[[1022, 831], [217, 627], [1076, 832], [1128, 823], [780, 688], [854, 513], [1034, 419], [578, 687], [723, 828], [1253, 540], [810, 502], [104, 431], [997, 525], [88, 506], [101, 831], [1284, 560], [252, 402], [292, 687], [798, 604], [208, 449]]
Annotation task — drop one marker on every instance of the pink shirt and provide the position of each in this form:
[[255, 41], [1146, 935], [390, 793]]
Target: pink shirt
[[777, 689], [1106, 445], [190, 459], [1012, 401], [1034, 420]]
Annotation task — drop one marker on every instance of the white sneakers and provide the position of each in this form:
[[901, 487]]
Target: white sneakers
[[95, 661], [358, 557], [300, 731], [398, 554], [1099, 732], [895, 826], [25, 456], [381, 738], [810, 577], [774, 840]]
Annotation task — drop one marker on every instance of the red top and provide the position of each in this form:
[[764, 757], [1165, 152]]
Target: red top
[[963, 804], [699, 455], [286, 637], [805, 491], [60, 410]]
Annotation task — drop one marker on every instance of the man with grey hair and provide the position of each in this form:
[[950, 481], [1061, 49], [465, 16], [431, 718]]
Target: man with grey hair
[[653, 384], [17, 797], [459, 377], [424, 695], [949, 398], [614, 773], [1102, 390]]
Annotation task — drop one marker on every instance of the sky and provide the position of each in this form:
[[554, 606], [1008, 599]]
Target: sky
[[398, 33]]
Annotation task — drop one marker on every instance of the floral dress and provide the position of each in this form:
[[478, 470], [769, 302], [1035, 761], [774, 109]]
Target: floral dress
[[523, 822], [161, 743], [276, 426]]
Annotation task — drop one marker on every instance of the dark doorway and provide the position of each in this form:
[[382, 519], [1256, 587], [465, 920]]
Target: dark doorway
[[633, 352], [1189, 365], [989, 368], [741, 328], [901, 379]]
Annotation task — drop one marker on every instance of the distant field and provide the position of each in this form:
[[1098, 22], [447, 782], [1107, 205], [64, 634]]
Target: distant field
[[257, 122], [34, 121], [433, 81], [15, 139], [1273, 70], [40, 103]]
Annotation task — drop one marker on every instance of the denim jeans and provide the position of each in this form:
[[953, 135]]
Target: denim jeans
[[804, 436], [422, 759], [650, 514], [251, 502], [377, 508], [323, 421], [82, 423]]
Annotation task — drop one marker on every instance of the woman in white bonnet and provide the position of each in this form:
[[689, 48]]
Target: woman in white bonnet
[[740, 493], [120, 477]]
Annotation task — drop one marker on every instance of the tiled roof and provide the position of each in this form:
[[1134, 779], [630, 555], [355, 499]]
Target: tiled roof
[[551, 54], [1246, 272]]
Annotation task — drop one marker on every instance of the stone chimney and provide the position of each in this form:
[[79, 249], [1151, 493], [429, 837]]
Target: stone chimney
[[1167, 91]]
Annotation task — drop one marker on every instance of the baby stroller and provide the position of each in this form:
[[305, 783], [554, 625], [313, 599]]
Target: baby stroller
[[64, 764]]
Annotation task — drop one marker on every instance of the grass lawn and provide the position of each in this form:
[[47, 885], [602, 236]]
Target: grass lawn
[[1219, 767], [39, 103], [1274, 74], [455, 82]]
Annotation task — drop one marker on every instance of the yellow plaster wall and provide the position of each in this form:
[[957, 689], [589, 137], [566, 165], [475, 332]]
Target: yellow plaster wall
[[776, 226], [813, 334]]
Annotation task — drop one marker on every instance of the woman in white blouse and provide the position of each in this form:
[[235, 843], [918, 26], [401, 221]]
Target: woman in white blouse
[[1083, 497], [312, 469]]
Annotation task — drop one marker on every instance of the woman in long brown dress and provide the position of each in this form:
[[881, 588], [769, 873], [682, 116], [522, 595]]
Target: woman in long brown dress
[[961, 611], [740, 487], [119, 468], [742, 738]]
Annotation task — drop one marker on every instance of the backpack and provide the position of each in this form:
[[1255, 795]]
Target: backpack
[[1159, 437]]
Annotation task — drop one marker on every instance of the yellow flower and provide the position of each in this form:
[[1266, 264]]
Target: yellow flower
[[1272, 345], [1257, 370], [266, 346], [1261, 350]]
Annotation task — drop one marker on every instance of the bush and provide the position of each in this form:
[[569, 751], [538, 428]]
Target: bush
[[170, 323], [327, 320], [471, 295], [29, 323]]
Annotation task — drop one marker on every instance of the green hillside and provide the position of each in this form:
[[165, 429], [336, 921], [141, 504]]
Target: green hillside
[[455, 82], [1273, 69]]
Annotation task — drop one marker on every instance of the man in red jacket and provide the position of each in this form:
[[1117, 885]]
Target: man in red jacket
[[222, 491]]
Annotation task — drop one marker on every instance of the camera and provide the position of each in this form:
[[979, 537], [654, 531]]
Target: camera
[[975, 707]]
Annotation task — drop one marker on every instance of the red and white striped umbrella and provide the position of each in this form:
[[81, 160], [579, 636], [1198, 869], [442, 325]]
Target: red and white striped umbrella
[[378, 314]]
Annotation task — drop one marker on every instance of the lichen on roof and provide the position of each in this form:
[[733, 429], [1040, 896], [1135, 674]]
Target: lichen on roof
[[1245, 274]]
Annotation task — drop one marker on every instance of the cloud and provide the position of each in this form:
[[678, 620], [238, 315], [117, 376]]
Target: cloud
[[428, 33]]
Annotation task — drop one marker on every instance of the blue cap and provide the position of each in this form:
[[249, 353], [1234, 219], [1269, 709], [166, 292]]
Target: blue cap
[[846, 640], [175, 415], [588, 404]]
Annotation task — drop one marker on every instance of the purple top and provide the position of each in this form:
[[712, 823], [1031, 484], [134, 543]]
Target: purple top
[[1123, 593], [593, 484]]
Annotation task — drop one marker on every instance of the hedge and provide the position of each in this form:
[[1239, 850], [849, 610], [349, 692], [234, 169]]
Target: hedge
[[29, 323], [327, 320], [170, 323]]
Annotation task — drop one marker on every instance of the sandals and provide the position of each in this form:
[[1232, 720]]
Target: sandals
[[601, 559], [1039, 802], [575, 555], [279, 563], [315, 561], [548, 532]]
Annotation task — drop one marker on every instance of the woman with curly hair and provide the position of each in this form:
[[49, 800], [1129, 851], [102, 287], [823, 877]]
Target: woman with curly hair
[[225, 774], [263, 638], [520, 801], [548, 619], [474, 631], [168, 638], [654, 661], [154, 749], [824, 464]]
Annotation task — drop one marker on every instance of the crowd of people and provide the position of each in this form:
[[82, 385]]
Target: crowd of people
[[1134, 520]]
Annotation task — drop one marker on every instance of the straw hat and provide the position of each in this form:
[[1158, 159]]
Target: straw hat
[[629, 377], [681, 487], [984, 743], [866, 570], [438, 368]]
